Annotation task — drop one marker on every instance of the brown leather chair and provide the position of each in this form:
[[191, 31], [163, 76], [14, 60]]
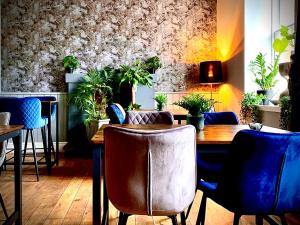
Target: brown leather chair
[[140, 117], [150, 172]]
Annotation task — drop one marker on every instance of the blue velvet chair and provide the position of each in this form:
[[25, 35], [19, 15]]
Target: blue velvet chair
[[28, 112], [260, 177], [212, 118], [116, 113]]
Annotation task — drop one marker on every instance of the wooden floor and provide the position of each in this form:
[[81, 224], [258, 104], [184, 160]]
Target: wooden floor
[[65, 198]]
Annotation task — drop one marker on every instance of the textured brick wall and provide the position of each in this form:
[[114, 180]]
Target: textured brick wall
[[36, 35]]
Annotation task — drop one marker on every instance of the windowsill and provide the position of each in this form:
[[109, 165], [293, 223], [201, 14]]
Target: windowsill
[[270, 108]]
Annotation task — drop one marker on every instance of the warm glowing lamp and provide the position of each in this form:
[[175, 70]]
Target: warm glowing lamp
[[211, 73]]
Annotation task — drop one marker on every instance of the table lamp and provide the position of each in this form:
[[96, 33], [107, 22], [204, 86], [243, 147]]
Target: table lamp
[[211, 73]]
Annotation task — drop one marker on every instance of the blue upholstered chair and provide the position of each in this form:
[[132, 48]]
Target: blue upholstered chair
[[28, 112], [212, 118], [116, 113], [260, 177]]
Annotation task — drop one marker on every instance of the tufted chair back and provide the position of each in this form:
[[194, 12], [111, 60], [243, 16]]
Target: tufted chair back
[[154, 173], [4, 120], [262, 174], [25, 111], [212, 118], [139, 117]]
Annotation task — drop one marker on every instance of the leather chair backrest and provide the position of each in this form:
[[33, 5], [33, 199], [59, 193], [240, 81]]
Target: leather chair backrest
[[24, 111], [150, 172], [262, 175], [4, 120], [140, 117], [212, 118]]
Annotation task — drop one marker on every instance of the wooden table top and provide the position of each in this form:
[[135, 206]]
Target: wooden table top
[[212, 134], [5, 129]]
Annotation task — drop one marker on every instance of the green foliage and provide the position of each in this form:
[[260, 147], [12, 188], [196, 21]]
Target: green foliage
[[285, 112], [249, 108], [264, 75], [152, 63], [135, 74], [71, 62], [91, 95], [161, 101], [196, 104]]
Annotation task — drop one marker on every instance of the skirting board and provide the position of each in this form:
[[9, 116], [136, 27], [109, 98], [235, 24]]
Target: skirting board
[[38, 145]]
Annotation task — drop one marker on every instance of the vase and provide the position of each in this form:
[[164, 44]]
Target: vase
[[196, 121], [267, 93], [94, 126]]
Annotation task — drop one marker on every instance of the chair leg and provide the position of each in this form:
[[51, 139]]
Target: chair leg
[[123, 218], [201, 213], [283, 219], [120, 217], [259, 220], [236, 219], [25, 146], [182, 217], [188, 210], [34, 156], [174, 220], [3, 206], [44, 138]]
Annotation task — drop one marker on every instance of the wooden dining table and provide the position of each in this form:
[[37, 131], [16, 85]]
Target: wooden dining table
[[216, 135]]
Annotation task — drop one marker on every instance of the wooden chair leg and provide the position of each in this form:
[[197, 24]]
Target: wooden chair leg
[[259, 220], [236, 219], [25, 146], [120, 218], [188, 210], [34, 156], [201, 213], [174, 219], [124, 219], [3, 206]]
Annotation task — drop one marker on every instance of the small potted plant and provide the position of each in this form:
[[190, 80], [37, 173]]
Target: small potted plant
[[161, 101], [265, 74], [196, 105], [249, 108], [71, 63], [90, 97], [152, 64]]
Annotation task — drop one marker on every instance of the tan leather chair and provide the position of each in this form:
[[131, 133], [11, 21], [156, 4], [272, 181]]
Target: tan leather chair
[[140, 117], [150, 172]]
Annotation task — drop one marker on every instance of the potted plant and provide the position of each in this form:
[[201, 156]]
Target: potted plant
[[265, 74], [90, 97], [285, 112], [161, 101], [131, 76], [152, 64], [249, 108], [70, 63], [196, 105]]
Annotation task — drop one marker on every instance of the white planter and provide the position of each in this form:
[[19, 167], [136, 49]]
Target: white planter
[[94, 126]]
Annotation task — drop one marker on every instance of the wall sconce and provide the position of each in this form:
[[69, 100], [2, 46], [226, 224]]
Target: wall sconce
[[211, 73]]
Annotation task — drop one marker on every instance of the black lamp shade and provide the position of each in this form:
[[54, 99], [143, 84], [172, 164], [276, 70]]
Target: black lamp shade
[[211, 72]]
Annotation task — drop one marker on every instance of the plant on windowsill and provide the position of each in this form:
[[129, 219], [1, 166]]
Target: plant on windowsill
[[70, 63], [265, 74], [152, 64], [249, 108], [196, 105], [90, 97], [161, 101], [285, 112]]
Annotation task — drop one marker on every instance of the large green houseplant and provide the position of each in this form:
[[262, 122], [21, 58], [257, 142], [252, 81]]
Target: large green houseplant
[[265, 73], [196, 105], [90, 96]]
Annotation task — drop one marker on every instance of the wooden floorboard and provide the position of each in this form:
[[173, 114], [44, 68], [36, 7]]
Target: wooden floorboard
[[65, 198]]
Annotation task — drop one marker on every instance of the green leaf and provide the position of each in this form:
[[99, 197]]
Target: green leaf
[[279, 45]]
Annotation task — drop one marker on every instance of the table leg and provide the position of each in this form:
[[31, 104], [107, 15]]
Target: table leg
[[97, 184], [18, 174], [57, 136]]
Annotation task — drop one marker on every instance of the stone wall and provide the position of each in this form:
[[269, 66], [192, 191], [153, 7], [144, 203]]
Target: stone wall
[[36, 35]]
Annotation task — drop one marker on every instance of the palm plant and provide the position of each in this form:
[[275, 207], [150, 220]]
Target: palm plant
[[161, 101], [92, 94]]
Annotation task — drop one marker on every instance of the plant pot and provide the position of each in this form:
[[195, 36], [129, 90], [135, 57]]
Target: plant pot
[[196, 121], [94, 126], [268, 93], [69, 70]]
